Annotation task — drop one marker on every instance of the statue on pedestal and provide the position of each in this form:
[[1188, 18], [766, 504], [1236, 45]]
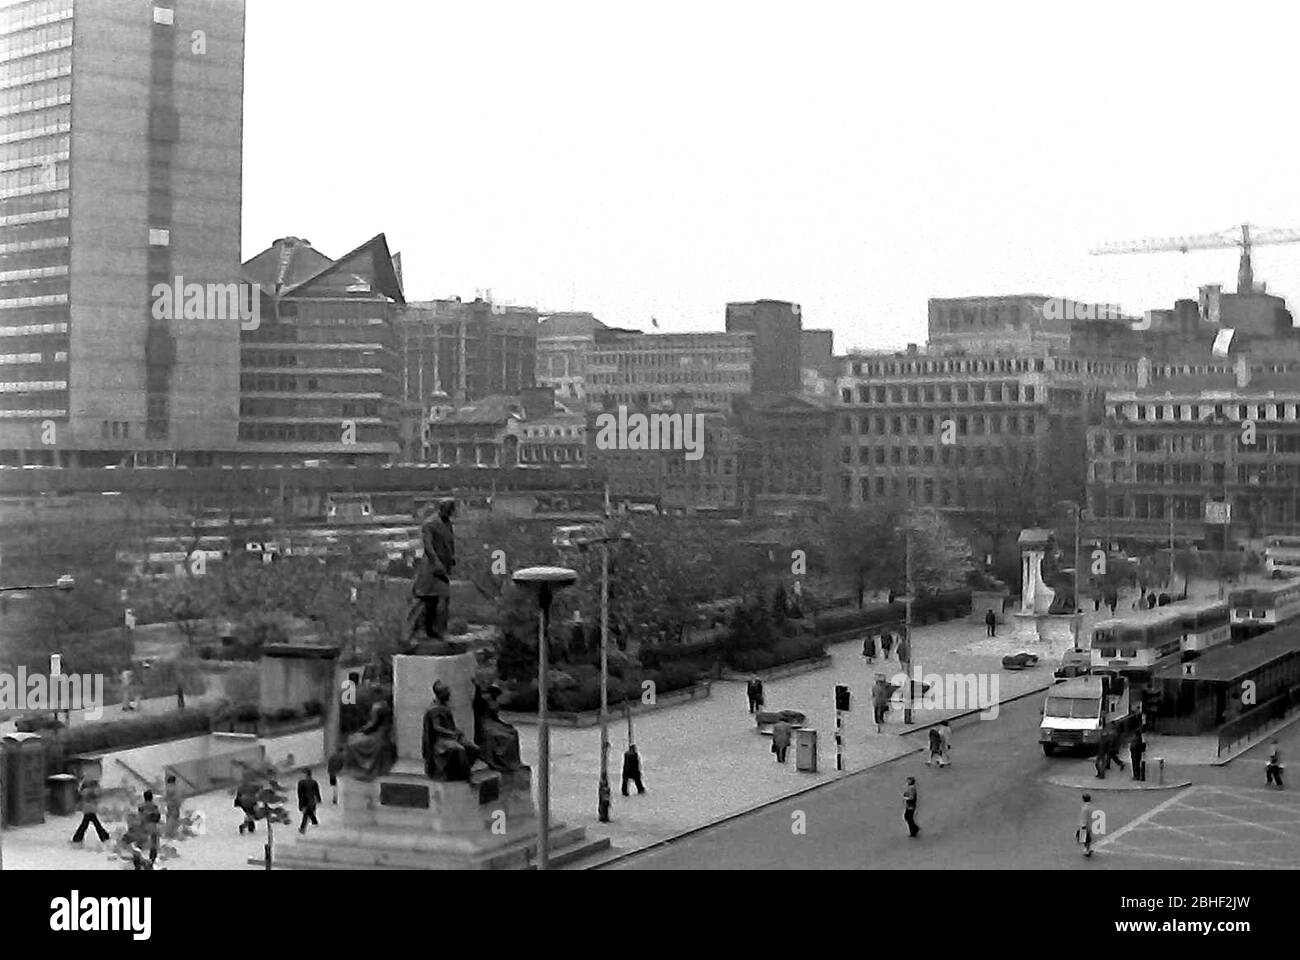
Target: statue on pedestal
[[497, 740], [372, 751], [431, 588], [447, 754]]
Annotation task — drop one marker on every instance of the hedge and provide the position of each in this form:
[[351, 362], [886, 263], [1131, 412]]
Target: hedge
[[133, 732], [783, 651], [661, 655], [586, 695]]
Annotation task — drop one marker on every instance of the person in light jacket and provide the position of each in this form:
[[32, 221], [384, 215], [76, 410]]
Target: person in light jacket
[[781, 740]]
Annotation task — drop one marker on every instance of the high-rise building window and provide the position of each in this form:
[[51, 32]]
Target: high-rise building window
[[159, 237], [164, 16]]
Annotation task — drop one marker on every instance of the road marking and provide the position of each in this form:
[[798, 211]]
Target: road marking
[[1138, 821]]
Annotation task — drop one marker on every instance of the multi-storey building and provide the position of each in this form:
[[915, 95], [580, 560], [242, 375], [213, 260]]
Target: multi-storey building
[[467, 350], [787, 455], [564, 342], [777, 329], [554, 433], [648, 370], [319, 374], [483, 433], [960, 431], [121, 131], [1189, 438]]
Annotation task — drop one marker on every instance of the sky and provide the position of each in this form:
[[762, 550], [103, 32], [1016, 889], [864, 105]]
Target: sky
[[659, 160]]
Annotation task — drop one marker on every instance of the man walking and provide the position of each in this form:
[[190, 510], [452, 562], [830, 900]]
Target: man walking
[[936, 747], [150, 818], [754, 690], [172, 803], [1084, 833], [1273, 770], [1112, 751], [869, 648], [909, 807], [880, 701], [334, 767], [1136, 750], [904, 648], [781, 740], [886, 643], [632, 769], [991, 621], [89, 803], [945, 743], [308, 800]]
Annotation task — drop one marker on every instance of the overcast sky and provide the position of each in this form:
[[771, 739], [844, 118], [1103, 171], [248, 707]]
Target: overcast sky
[[640, 160]]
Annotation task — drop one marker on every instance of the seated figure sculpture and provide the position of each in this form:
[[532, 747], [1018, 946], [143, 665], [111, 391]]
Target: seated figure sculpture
[[371, 751], [497, 740], [447, 754]]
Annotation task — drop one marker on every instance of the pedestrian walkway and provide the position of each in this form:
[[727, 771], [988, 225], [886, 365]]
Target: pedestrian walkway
[[1082, 775]]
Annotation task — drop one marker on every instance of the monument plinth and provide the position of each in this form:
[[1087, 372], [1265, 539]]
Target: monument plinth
[[405, 820], [1035, 624]]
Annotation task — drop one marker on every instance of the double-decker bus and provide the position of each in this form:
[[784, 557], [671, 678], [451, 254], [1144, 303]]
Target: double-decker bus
[[1282, 556], [1136, 645], [1205, 624], [1257, 609]]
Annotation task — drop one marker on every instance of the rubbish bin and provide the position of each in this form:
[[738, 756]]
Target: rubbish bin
[[805, 750], [23, 755], [63, 794]]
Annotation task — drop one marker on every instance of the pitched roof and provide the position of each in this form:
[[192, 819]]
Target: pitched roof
[[291, 267]]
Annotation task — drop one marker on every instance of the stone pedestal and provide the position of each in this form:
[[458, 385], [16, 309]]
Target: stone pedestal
[[413, 680]]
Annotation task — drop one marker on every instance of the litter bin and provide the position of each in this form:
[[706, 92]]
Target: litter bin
[[63, 794], [805, 750], [23, 755]]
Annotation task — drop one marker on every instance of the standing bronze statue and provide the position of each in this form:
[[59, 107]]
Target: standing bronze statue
[[431, 588], [447, 754]]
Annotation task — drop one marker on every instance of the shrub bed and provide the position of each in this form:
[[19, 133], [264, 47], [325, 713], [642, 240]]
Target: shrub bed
[[133, 732], [661, 655], [784, 651], [586, 695]]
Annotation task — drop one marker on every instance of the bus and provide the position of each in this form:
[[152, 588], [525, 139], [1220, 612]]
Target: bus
[[1257, 609], [1282, 557], [1137, 645], [1205, 624]]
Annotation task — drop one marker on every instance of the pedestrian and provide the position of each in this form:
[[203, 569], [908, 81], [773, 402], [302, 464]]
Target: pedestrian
[[180, 697], [782, 733], [904, 648], [632, 769], [172, 804], [869, 648], [1112, 751], [1102, 760], [909, 807], [1136, 750], [1084, 833], [936, 747], [127, 679], [945, 743], [1151, 601], [1096, 602], [246, 800], [1112, 601], [308, 800], [880, 694], [754, 690], [887, 643], [88, 801], [150, 818], [334, 767], [1273, 770], [991, 621]]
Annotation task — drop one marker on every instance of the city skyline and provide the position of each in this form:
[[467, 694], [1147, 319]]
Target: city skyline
[[720, 159]]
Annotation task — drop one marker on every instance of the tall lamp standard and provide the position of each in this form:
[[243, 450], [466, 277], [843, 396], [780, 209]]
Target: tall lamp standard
[[603, 789], [545, 582], [64, 583], [1077, 613]]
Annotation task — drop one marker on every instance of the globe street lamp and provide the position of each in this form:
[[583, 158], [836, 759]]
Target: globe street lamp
[[545, 582]]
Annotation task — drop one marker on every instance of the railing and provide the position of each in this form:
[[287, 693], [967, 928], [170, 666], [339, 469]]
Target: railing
[[1236, 731]]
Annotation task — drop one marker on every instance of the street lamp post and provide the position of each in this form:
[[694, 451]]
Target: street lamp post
[[545, 582], [64, 583], [603, 791], [907, 625]]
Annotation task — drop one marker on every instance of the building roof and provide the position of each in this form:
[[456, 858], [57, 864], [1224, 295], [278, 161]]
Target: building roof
[[286, 262], [293, 268], [1260, 383], [497, 408], [568, 325], [1230, 662]]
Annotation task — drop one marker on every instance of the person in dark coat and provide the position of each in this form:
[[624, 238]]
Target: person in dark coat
[[869, 648], [308, 800], [150, 818], [910, 801], [991, 621], [172, 804], [1273, 769], [886, 643], [89, 802], [1136, 750], [754, 690], [431, 588], [632, 769], [1151, 601]]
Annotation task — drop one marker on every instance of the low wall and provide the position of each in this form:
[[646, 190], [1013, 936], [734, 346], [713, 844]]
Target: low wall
[[783, 670], [981, 602], [591, 718]]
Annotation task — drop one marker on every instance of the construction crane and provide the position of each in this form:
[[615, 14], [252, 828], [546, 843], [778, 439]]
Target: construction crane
[[1249, 237]]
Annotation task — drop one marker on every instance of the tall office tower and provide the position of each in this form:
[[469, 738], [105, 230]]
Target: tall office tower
[[121, 133], [777, 328]]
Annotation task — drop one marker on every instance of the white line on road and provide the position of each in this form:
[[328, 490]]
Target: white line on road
[[1143, 818]]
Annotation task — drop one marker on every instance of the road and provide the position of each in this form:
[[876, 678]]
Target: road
[[994, 809]]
